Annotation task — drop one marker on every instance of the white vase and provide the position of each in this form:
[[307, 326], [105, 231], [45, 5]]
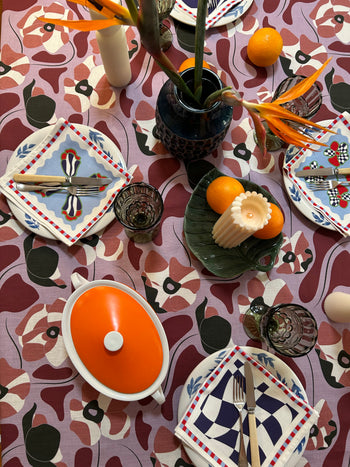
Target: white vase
[[114, 52]]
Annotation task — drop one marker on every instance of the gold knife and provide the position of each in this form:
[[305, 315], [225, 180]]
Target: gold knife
[[250, 398], [323, 172], [64, 181]]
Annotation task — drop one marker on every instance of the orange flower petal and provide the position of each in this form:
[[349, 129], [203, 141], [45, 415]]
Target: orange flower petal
[[289, 134], [82, 24], [300, 88], [259, 131], [286, 138], [108, 8], [274, 110]]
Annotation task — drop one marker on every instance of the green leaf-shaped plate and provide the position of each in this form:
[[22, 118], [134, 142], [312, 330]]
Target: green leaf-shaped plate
[[252, 254]]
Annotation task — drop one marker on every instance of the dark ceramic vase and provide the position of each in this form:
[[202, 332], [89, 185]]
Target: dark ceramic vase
[[187, 132]]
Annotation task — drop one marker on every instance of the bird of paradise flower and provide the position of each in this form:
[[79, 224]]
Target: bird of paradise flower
[[285, 124]]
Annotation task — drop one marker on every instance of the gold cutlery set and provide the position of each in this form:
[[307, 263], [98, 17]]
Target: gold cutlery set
[[71, 189], [239, 399], [79, 186], [321, 185]]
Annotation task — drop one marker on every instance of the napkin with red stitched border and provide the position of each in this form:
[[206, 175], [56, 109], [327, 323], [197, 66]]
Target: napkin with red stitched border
[[210, 425], [216, 9], [332, 203], [66, 151]]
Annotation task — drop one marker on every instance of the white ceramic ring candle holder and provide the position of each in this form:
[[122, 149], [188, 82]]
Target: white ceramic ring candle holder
[[247, 214]]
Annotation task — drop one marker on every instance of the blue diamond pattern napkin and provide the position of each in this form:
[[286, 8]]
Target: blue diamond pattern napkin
[[66, 151]]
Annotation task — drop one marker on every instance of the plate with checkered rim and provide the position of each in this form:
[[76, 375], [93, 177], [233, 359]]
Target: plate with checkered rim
[[270, 361]]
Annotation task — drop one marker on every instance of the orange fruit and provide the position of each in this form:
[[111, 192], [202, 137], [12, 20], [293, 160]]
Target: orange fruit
[[274, 226], [264, 47], [189, 63], [222, 191]]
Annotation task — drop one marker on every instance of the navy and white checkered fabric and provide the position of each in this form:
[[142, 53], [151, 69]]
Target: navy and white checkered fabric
[[211, 424]]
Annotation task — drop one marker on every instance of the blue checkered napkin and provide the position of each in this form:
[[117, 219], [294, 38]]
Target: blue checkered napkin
[[210, 425]]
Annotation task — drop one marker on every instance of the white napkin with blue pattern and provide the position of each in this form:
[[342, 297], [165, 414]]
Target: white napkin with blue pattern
[[66, 151]]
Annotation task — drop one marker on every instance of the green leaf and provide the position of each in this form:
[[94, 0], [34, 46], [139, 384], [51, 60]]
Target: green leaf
[[252, 254], [215, 96]]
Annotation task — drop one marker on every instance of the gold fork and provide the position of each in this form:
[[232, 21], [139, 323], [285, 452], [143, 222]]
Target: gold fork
[[325, 184], [73, 190], [239, 401]]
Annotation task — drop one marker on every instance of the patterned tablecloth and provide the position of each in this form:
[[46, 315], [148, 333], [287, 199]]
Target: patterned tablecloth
[[46, 408]]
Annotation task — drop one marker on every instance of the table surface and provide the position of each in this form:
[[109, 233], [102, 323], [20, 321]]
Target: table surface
[[45, 406]]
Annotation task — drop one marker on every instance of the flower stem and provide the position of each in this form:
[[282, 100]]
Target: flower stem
[[199, 47]]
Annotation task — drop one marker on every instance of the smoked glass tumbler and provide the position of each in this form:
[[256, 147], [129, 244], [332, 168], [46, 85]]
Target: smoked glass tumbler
[[290, 329], [139, 208]]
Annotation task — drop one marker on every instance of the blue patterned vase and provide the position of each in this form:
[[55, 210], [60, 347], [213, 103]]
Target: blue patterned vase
[[187, 132]]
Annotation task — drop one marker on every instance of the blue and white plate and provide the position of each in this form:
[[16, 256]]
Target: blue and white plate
[[297, 198], [271, 362], [327, 208], [100, 140]]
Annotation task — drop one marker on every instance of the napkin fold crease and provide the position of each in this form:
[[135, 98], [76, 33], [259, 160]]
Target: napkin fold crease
[[210, 425]]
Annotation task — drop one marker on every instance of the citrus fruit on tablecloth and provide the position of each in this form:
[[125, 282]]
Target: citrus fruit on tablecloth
[[189, 63], [274, 225], [264, 47], [222, 191]]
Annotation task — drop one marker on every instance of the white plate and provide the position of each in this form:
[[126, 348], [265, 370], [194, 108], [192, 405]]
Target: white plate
[[272, 363], [232, 15], [102, 141], [297, 197]]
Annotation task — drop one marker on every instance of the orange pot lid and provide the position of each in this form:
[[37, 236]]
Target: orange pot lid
[[116, 339]]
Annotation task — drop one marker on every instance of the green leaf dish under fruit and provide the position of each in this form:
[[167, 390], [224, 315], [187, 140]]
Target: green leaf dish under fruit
[[252, 254]]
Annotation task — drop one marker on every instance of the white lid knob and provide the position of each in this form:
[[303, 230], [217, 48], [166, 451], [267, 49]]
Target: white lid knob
[[113, 341]]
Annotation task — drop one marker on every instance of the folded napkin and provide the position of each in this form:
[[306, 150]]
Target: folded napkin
[[216, 9], [210, 425], [333, 204], [66, 151]]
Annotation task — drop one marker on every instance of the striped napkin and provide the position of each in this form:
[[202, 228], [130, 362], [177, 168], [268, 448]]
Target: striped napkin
[[210, 425]]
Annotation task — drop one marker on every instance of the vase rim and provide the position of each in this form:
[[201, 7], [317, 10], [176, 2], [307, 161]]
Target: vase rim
[[189, 107]]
